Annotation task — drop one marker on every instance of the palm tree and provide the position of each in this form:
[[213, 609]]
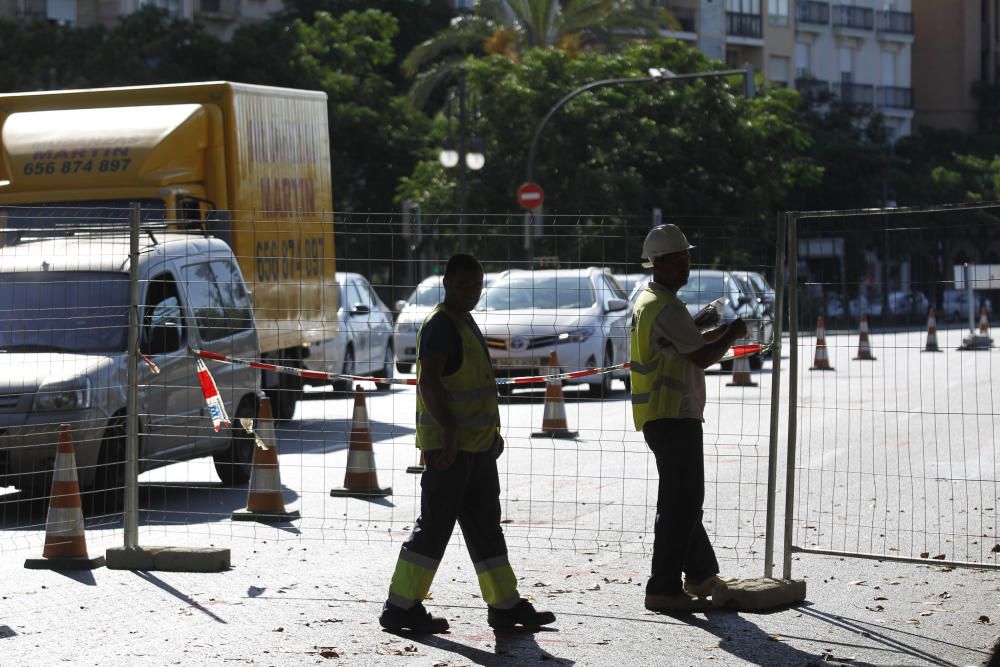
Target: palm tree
[[508, 27]]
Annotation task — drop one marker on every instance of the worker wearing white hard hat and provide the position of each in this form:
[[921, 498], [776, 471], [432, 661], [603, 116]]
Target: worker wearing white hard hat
[[669, 358]]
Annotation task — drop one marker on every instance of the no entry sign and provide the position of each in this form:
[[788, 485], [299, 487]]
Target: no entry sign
[[530, 195]]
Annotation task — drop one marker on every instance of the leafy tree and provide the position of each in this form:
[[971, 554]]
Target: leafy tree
[[693, 149], [510, 27]]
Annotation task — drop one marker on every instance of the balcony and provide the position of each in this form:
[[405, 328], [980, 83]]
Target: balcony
[[218, 9], [687, 17], [895, 23], [740, 24], [861, 94], [853, 18], [895, 97], [811, 88], [812, 13]]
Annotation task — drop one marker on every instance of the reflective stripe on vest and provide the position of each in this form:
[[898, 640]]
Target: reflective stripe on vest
[[470, 394], [657, 380]]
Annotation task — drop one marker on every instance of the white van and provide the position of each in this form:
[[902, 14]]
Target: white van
[[955, 305], [64, 356]]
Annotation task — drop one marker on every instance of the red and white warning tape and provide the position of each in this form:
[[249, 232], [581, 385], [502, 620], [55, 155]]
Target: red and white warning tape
[[734, 352]]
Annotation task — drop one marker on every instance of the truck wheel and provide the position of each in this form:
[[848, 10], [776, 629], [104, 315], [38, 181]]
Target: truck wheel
[[234, 462], [108, 494], [285, 396]]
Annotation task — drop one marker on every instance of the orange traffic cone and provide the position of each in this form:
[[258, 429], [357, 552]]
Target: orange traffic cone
[[554, 423], [821, 362], [361, 479], [264, 501], [65, 542], [984, 322], [419, 467], [932, 341], [741, 373], [864, 346]]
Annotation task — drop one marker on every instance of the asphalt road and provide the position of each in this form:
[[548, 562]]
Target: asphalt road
[[578, 515]]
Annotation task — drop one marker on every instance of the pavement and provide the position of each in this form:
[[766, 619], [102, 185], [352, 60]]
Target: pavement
[[306, 596]]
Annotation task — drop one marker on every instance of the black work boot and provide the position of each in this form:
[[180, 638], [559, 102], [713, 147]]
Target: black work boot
[[522, 614], [415, 619]]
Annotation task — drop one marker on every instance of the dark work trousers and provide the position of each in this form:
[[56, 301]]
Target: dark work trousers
[[467, 491], [680, 543]]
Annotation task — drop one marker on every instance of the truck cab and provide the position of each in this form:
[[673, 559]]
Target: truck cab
[[64, 355]]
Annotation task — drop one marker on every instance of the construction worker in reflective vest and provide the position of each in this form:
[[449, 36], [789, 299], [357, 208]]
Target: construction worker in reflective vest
[[669, 358], [458, 431]]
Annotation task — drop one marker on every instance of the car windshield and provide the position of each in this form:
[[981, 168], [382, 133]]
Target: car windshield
[[543, 293], [702, 288], [53, 311], [427, 294]]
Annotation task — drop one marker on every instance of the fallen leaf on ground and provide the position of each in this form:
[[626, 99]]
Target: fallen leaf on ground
[[983, 619]]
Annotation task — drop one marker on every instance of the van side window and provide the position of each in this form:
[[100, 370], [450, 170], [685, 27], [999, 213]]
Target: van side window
[[219, 300], [163, 328], [235, 298]]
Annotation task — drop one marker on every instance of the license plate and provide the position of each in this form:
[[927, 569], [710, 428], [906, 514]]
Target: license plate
[[516, 362]]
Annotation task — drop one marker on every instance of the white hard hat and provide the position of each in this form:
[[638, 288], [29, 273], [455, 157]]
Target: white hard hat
[[663, 240]]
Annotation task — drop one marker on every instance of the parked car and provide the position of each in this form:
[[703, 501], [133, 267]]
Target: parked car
[[902, 304], [412, 311], [739, 300], [955, 305], [578, 313], [64, 357], [363, 344], [629, 281], [764, 290]]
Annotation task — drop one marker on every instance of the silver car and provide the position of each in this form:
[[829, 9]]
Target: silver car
[[426, 295], [363, 345], [64, 356], [578, 313]]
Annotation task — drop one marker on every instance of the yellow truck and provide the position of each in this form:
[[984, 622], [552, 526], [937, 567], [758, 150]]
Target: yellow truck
[[249, 164]]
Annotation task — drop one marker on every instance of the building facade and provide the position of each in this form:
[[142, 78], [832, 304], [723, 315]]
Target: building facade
[[219, 17], [958, 51], [860, 50]]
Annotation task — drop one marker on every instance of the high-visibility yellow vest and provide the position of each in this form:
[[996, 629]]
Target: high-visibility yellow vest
[[657, 380], [471, 395]]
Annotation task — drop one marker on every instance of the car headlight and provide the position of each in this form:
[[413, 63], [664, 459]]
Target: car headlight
[[406, 326], [576, 335], [66, 395]]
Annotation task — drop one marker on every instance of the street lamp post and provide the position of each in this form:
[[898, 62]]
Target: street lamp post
[[656, 75], [469, 155]]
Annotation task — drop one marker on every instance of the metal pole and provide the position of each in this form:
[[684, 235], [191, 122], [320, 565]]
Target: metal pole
[[772, 453], [131, 518], [462, 184], [793, 386], [530, 170]]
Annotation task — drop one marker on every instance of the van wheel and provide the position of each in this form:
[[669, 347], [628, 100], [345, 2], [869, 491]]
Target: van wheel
[[108, 495], [233, 464], [403, 367]]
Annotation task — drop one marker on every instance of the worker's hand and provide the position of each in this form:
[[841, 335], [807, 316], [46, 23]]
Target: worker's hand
[[738, 329], [499, 445], [449, 451]]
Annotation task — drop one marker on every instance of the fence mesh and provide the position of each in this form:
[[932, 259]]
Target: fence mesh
[[63, 334], [897, 443]]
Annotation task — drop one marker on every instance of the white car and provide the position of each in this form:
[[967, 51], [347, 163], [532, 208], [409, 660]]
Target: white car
[[426, 295], [578, 313], [363, 345]]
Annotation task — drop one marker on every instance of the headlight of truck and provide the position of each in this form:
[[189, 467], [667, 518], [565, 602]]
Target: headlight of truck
[[576, 335], [67, 395]]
